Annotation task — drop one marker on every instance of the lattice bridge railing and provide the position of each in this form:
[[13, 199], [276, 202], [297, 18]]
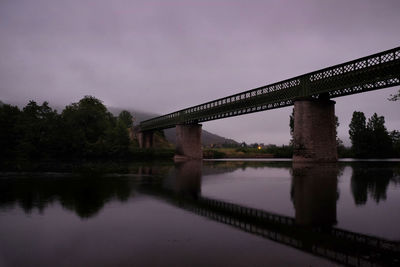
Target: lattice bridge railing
[[369, 73]]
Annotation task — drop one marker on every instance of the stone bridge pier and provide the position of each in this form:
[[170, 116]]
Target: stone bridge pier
[[146, 139], [188, 142], [314, 133]]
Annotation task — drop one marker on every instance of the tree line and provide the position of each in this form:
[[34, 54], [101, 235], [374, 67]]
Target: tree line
[[371, 139], [85, 129]]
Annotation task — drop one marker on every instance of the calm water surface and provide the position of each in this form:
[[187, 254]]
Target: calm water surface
[[210, 213]]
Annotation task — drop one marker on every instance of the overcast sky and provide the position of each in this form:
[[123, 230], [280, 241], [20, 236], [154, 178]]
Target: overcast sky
[[161, 56]]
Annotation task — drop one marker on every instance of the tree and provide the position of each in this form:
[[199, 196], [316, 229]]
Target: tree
[[380, 143], [39, 126], [90, 115], [395, 137], [126, 118], [395, 97], [86, 124], [85, 129], [9, 133], [370, 139], [117, 140], [358, 134]]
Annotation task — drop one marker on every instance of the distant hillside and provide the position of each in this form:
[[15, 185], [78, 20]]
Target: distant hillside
[[137, 115], [207, 138]]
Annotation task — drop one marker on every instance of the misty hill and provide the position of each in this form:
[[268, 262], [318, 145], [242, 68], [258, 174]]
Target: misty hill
[[138, 116], [207, 138]]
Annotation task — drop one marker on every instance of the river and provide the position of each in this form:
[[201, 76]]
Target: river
[[209, 213]]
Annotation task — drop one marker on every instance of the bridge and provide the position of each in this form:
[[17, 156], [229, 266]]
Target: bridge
[[311, 94]]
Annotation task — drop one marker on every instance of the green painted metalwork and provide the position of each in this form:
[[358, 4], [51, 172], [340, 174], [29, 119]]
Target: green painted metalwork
[[369, 73]]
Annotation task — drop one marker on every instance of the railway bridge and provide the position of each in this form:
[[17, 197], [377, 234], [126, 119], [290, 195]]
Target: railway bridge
[[311, 94]]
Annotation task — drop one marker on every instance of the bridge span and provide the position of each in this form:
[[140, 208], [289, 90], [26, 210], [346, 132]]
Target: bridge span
[[311, 94]]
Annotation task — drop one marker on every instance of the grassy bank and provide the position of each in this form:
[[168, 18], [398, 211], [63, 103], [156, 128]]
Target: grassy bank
[[270, 152]]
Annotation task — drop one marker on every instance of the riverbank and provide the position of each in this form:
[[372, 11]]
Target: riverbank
[[246, 153]]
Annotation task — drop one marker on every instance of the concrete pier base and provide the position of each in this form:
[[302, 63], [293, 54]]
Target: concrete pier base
[[145, 139], [188, 142], [314, 131]]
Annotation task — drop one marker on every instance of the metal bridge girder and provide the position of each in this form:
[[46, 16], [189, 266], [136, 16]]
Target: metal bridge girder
[[373, 72]]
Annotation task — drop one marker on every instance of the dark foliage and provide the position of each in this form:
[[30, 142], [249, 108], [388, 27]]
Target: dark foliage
[[213, 154], [84, 195], [280, 151], [126, 118], [371, 181], [371, 139], [395, 97], [83, 130]]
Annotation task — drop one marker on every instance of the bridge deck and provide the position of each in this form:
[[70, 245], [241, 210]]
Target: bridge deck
[[369, 73]]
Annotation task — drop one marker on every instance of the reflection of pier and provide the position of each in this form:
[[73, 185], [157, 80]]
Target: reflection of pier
[[306, 231], [314, 193]]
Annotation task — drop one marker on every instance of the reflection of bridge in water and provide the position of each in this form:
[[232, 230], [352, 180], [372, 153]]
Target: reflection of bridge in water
[[314, 195], [313, 192]]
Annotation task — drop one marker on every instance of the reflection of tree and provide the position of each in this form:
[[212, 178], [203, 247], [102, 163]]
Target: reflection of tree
[[396, 178], [373, 181], [86, 196]]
